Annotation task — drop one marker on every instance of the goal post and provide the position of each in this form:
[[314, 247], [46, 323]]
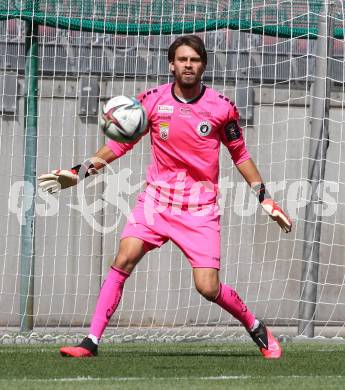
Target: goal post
[[56, 250], [319, 139]]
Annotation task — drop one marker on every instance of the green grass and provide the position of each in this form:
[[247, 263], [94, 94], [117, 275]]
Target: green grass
[[174, 366]]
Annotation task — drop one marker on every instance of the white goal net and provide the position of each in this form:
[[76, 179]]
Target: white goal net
[[53, 277]]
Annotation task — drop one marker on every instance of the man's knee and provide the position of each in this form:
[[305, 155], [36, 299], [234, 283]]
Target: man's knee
[[121, 261], [125, 262], [208, 290], [130, 252]]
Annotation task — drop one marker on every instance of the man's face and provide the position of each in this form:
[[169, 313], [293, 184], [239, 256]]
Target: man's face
[[187, 67]]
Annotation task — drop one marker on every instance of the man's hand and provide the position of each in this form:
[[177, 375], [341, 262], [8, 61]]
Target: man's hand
[[277, 214], [58, 180], [63, 178]]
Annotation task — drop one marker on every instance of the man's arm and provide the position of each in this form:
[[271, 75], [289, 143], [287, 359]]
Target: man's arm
[[102, 157], [249, 172], [60, 179], [63, 178], [252, 176]]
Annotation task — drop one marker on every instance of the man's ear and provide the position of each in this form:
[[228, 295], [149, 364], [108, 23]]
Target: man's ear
[[172, 67]]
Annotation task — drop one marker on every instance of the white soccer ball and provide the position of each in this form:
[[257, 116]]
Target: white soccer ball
[[124, 119]]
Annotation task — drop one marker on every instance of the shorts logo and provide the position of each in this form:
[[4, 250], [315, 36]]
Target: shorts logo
[[165, 109], [204, 128], [164, 130], [232, 131]]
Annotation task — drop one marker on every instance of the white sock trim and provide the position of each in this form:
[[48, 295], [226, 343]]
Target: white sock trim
[[255, 325], [93, 338]]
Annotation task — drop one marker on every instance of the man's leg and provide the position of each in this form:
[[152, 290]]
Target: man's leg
[[131, 251], [207, 283]]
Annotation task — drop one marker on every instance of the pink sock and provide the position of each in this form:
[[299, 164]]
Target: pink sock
[[108, 300], [229, 300]]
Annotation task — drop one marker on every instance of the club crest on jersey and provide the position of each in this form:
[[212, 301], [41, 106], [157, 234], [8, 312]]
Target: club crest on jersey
[[204, 128], [164, 130]]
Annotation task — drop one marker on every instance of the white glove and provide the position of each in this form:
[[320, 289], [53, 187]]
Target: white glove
[[58, 180], [63, 178], [277, 214]]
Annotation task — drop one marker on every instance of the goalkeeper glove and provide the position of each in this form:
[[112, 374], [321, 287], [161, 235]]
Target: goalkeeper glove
[[271, 208], [277, 214], [60, 179]]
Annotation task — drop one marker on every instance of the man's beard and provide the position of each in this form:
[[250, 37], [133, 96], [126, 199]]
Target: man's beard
[[188, 85]]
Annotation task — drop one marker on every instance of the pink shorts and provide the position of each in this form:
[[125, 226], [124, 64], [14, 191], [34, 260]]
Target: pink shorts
[[198, 236]]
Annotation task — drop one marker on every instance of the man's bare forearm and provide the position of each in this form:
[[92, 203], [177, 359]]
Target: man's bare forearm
[[250, 172], [102, 157]]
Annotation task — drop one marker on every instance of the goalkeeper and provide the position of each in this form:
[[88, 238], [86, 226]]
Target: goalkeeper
[[187, 122]]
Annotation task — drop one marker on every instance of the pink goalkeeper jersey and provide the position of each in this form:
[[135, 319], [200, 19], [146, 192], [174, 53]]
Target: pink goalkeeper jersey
[[185, 144]]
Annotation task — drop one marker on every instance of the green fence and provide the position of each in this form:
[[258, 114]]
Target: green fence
[[282, 19]]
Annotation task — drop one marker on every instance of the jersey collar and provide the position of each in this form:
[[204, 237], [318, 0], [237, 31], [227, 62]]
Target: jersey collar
[[203, 89]]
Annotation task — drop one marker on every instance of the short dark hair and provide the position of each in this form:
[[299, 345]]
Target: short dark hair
[[192, 41]]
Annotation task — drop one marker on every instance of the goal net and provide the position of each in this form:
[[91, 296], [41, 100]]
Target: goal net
[[273, 59]]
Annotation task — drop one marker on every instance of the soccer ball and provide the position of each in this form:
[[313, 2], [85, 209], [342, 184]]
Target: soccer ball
[[124, 119]]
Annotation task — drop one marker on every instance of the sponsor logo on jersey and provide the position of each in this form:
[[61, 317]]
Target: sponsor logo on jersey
[[165, 116], [185, 111], [206, 114], [232, 131], [162, 109], [164, 130], [204, 128]]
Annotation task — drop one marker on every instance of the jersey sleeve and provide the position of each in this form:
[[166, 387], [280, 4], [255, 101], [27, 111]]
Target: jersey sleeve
[[232, 136], [119, 148]]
